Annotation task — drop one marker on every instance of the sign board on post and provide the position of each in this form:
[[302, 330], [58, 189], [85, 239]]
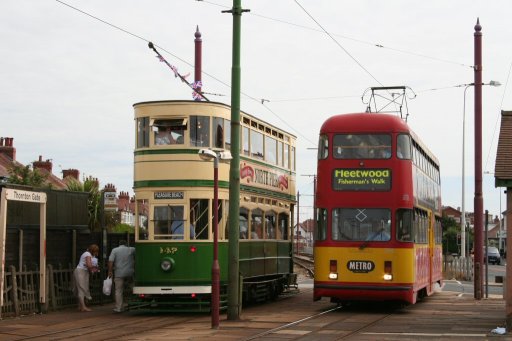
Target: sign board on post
[[109, 201], [27, 196]]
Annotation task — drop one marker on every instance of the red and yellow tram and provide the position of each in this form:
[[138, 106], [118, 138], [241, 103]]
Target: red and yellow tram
[[378, 202]]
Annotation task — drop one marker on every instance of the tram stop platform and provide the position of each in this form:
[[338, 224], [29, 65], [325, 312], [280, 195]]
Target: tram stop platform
[[442, 316]]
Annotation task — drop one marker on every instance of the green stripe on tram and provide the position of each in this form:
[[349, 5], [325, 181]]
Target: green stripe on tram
[[178, 183]]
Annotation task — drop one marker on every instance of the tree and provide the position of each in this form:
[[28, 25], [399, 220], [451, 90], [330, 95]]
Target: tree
[[91, 186], [24, 175], [450, 231]]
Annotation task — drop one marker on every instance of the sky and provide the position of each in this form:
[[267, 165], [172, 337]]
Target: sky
[[71, 71]]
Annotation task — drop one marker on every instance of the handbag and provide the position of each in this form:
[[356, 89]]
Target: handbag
[[107, 286]]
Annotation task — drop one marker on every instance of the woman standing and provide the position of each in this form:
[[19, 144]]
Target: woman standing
[[88, 263]]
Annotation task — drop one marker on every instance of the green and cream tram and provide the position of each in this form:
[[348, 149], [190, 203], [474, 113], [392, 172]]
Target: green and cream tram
[[174, 193]]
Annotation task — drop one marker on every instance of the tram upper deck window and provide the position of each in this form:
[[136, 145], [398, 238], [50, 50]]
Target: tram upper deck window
[[218, 132], [403, 147], [270, 150], [323, 147], [245, 141], [142, 132], [200, 131], [362, 146], [167, 132], [257, 145], [286, 156], [361, 224]]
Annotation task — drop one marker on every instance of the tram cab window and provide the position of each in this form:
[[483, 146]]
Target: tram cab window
[[361, 224], [168, 222], [168, 132], [200, 131], [404, 225]]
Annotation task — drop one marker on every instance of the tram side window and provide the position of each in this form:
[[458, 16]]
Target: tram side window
[[279, 153], [142, 132], [227, 134], [245, 140], [438, 232], [256, 224], [321, 224], [257, 145], [270, 150], [244, 223], [168, 222], [218, 132], [286, 156], [200, 131], [403, 147], [270, 225], [404, 225], [283, 226], [199, 214]]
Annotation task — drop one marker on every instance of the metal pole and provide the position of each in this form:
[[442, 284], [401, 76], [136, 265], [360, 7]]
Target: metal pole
[[215, 264], [297, 229], [198, 54], [463, 213], [486, 255], [234, 169], [478, 199]]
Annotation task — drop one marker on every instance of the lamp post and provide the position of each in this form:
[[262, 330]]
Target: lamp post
[[463, 213], [207, 155]]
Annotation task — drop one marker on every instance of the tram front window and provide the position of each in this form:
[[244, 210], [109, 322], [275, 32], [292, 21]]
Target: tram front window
[[361, 224], [169, 222]]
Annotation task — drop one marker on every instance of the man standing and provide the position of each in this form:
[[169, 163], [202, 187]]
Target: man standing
[[122, 260]]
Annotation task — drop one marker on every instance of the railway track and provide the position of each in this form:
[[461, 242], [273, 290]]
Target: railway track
[[306, 263]]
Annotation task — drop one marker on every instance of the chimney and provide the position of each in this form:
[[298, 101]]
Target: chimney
[[40, 164], [74, 173], [6, 147], [124, 201]]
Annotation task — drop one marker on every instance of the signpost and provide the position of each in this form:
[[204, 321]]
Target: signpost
[[31, 197]]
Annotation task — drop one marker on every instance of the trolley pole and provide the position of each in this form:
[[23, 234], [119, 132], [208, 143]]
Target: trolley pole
[[233, 312], [478, 199]]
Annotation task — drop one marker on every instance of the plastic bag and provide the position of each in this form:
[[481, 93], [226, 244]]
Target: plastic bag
[[107, 286]]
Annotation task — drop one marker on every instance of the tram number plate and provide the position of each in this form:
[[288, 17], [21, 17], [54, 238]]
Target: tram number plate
[[168, 250], [360, 266]]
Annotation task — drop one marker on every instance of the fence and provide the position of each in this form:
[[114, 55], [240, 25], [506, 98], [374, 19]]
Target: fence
[[460, 268], [21, 291]]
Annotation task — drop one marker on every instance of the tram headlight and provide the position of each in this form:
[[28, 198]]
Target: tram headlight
[[388, 271], [333, 269], [167, 264]]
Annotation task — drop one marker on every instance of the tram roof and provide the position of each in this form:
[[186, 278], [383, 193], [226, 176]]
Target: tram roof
[[379, 122]]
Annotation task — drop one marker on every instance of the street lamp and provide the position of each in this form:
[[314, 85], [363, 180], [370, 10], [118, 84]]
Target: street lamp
[[463, 213], [207, 155]]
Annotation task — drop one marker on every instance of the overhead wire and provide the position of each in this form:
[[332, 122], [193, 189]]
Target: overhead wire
[[377, 45], [337, 43]]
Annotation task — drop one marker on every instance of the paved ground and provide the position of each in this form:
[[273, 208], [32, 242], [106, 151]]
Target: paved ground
[[445, 315]]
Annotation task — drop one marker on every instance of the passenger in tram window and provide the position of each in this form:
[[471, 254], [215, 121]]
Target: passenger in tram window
[[163, 136]]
